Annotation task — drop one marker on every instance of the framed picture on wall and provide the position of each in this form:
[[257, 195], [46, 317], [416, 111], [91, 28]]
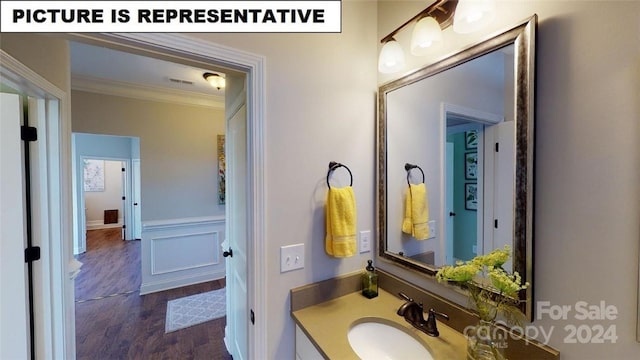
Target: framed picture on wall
[[222, 171], [93, 175], [471, 139], [471, 165], [471, 196]]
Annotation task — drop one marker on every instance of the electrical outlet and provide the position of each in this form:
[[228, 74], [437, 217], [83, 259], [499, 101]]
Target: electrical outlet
[[432, 229], [291, 257], [365, 241], [474, 249]]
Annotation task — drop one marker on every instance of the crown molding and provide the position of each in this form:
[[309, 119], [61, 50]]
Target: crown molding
[[144, 92]]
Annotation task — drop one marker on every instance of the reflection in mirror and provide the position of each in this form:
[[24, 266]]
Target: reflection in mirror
[[467, 121], [476, 176]]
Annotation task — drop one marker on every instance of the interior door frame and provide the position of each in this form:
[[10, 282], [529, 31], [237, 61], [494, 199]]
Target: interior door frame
[[254, 67], [57, 301], [60, 180]]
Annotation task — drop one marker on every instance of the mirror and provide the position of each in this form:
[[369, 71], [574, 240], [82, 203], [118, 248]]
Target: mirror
[[467, 124]]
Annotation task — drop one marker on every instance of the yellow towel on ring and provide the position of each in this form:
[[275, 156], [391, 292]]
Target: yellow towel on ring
[[341, 222], [416, 212]]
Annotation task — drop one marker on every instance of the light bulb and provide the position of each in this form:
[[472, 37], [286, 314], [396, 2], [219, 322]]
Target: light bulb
[[472, 15], [391, 57], [426, 33]]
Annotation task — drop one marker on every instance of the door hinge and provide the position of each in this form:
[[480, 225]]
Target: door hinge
[[124, 198], [123, 170], [124, 226], [253, 317], [497, 147], [31, 254], [28, 133], [495, 223]]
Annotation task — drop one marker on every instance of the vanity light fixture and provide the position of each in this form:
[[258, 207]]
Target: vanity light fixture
[[215, 80], [465, 16]]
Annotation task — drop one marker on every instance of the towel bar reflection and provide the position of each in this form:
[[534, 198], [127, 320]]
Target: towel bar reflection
[[408, 167], [333, 166]]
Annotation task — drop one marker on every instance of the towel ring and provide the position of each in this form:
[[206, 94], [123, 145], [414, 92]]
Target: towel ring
[[334, 165], [408, 167]]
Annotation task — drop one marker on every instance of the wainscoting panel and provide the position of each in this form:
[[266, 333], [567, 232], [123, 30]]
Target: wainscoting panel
[[180, 252], [184, 252]]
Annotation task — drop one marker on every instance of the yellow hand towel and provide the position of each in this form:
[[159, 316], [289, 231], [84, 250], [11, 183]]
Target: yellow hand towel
[[341, 222], [416, 212]]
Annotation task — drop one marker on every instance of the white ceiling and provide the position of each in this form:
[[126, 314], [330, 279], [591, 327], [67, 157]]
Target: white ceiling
[[104, 70]]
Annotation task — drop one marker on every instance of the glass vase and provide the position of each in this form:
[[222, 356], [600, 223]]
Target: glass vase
[[486, 341]]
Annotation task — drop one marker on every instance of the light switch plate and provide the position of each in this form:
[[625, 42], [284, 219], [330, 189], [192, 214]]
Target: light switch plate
[[365, 241], [432, 229], [291, 257]]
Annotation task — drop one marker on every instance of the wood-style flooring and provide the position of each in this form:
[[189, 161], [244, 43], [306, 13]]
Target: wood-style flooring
[[114, 322]]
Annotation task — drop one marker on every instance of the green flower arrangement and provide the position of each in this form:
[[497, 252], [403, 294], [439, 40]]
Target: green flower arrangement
[[492, 290]]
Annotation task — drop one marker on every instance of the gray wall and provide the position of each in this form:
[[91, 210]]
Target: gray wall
[[178, 150]]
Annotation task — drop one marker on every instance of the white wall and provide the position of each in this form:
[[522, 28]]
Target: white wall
[[96, 202], [587, 180]]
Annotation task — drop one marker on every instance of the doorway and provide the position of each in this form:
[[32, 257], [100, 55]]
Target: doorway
[[104, 193], [173, 46], [250, 69], [470, 163], [33, 335], [98, 150]]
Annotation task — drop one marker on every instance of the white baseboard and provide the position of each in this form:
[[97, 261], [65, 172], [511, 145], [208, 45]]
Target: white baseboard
[[99, 224], [149, 288]]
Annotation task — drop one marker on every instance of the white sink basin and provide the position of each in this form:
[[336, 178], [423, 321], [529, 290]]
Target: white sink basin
[[376, 339]]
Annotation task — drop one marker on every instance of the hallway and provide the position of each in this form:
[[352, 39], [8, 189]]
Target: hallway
[[114, 322]]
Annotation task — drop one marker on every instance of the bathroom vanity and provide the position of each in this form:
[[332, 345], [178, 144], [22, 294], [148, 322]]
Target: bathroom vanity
[[326, 327], [325, 312]]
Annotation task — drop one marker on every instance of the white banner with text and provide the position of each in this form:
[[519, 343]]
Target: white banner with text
[[172, 16]]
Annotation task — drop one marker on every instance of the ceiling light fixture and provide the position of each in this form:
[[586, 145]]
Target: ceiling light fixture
[[215, 80], [465, 16]]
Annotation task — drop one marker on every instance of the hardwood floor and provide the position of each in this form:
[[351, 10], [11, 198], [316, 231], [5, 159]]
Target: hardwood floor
[[114, 322]]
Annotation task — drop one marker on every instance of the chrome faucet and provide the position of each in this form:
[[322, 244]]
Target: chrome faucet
[[413, 314]]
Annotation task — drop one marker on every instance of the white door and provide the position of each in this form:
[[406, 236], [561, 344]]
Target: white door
[[504, 188], [238, 313], [137, 212], [14, 336], [40, 225], [449, 212]]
